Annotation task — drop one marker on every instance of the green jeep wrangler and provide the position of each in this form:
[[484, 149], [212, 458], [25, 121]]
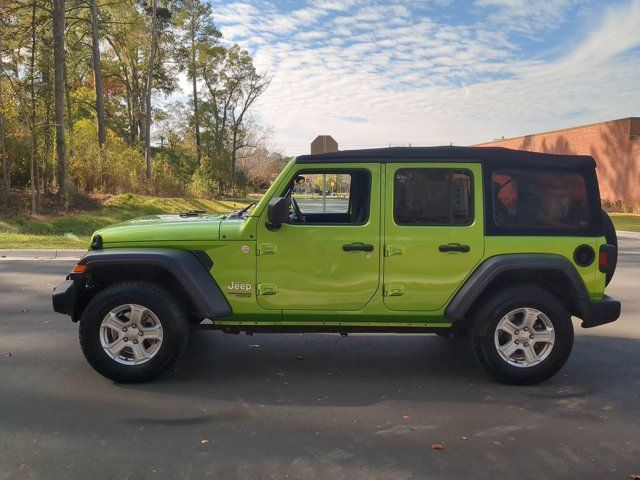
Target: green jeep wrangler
[[502, 245]]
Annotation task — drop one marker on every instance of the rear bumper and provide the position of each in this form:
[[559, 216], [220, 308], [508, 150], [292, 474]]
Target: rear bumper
[[600, 312], [64, 297]]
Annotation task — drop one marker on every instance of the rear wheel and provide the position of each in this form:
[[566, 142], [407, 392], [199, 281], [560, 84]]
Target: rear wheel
[[133, 331], [522, 335]]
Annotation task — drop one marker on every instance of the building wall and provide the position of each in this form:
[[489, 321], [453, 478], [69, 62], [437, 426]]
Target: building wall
[[610, 143]]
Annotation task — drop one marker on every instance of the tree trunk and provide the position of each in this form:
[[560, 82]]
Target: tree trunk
[[46, 173], [152, 57], [196, 112], [234, 149], [97, 73], [32, 92], [45, 72], [59, 61], [68, 107], [3, 156]]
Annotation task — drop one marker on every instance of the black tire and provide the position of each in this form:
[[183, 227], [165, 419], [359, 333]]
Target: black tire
[[175, 330], [612, 239], [495, 308]]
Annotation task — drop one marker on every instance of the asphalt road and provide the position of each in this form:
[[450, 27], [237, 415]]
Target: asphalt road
[[362, 407]]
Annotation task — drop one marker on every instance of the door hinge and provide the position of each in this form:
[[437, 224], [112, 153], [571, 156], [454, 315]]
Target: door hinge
[[393, 290], [390, 250], [267, 288], [267, 249]]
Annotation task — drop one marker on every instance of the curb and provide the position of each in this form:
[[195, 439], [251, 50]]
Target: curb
[[28, 254], [628, 235]]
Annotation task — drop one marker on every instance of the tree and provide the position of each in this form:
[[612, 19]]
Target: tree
[[233, 85], [250, 86], [3, 154], [58, 15], [149, 86], [199, 35], [97, 72], [70, 67], [4, 158], [35, 187]]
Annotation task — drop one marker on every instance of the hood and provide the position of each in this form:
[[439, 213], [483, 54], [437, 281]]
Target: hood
[[157, 228]]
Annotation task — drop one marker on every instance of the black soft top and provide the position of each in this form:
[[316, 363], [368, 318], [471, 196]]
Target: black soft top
[[497, 156]]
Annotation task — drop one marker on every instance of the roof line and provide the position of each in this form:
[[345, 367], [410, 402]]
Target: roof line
[[557, 131]]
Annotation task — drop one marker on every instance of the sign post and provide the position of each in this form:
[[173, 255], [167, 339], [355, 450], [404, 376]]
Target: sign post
[[324, 144]]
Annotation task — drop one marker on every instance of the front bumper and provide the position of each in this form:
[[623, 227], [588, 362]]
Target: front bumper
[[600, 312], [64, 297]]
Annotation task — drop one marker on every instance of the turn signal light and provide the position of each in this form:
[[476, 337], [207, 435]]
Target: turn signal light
[[78, 268]]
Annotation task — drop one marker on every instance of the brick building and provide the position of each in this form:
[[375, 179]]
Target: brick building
[[615, 145]]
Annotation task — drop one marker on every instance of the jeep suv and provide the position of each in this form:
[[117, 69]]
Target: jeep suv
[[504, 246]]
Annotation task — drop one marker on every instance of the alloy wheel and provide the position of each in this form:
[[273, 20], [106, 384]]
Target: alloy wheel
[[131, 334]]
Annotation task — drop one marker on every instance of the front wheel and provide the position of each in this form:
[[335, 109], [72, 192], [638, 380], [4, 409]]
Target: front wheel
[[523, 335], [133, 331]]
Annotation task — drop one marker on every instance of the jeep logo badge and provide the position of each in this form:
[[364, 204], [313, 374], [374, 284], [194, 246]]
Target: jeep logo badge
[[239, 289]]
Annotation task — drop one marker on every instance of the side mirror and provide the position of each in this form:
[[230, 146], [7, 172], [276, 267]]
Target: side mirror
[[278, 212]]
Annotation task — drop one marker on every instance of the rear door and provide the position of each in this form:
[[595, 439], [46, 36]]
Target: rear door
[[433, 232]]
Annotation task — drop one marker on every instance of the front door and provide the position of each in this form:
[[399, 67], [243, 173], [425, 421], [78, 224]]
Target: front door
[[434, 232], [328, 256]]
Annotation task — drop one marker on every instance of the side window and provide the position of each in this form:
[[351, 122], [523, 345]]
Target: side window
[[540, 199], [432, 197], [332, 197], [322, 193]]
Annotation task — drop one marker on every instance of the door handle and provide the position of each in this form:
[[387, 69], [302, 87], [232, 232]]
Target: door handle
[[358, 247], [454, 247]]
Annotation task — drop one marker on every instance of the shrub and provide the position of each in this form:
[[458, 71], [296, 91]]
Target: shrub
[[120, 168]]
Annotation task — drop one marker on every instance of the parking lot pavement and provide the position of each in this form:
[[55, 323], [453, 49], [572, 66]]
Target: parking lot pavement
[[312, 406]]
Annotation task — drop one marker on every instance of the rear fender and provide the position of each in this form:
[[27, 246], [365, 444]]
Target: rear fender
[[526, 265]]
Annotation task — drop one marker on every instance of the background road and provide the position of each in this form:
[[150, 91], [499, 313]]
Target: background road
[[362, 407]]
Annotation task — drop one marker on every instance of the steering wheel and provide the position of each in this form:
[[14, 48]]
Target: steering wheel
[[297, 213]]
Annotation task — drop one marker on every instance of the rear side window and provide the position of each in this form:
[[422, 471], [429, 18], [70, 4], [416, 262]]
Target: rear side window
[[432, 197], [535, 199]]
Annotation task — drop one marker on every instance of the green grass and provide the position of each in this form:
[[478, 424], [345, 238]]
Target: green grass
[[74, 230], [626, 221]]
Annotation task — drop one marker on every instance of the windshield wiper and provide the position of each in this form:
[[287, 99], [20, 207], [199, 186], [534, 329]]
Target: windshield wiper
[[192, 213], [242, 212]]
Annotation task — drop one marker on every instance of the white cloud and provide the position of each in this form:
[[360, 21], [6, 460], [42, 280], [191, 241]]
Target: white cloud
[[527, 16], [423, 80]]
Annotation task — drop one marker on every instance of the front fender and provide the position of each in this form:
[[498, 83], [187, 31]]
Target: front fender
[[186, 267]]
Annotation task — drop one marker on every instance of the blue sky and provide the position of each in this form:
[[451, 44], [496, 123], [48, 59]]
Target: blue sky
[[373, 73]]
